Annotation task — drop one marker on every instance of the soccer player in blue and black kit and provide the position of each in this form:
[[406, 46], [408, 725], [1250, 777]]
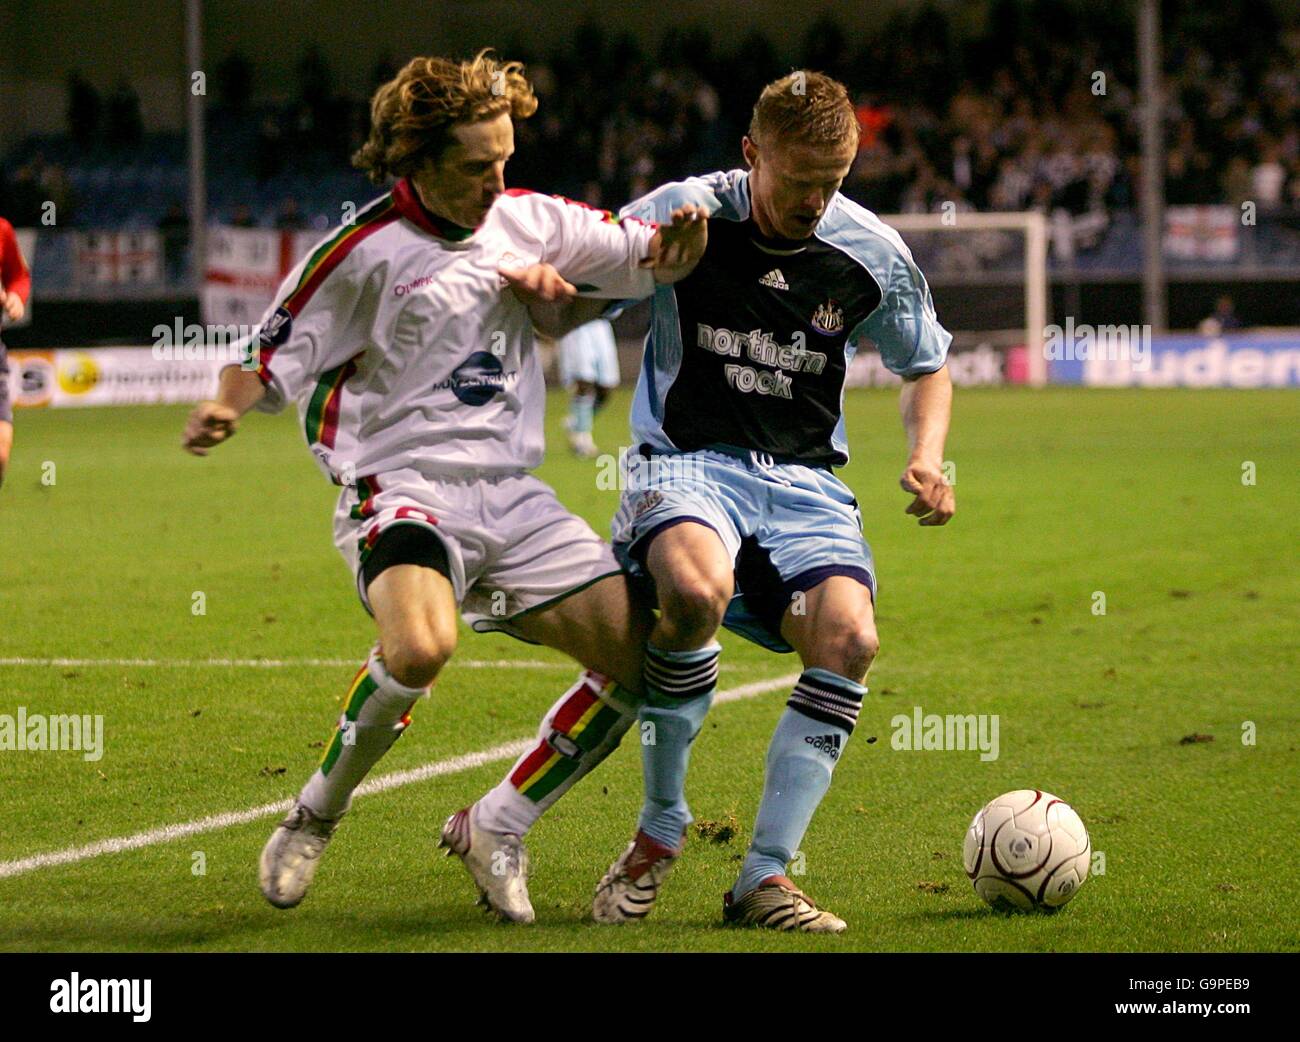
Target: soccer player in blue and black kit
[[732, 508]]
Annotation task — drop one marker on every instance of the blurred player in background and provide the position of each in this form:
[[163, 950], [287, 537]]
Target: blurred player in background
[[405, 339], [737, 518], [589, 368], [15, 288]]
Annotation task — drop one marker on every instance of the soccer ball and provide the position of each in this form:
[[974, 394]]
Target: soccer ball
[[1027, 850]]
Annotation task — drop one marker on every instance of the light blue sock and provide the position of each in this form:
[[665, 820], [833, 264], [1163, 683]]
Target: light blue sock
[[582, 408], [809, 740], [679, 691]]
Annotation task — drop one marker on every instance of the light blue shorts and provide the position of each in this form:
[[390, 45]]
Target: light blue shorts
[[590, 354], [788, 527]]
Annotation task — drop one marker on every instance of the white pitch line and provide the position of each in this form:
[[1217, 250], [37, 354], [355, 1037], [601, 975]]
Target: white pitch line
[[264, 663], [217, 822]]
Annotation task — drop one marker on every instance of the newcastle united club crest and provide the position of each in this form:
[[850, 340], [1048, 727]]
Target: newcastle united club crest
[[828, 318]]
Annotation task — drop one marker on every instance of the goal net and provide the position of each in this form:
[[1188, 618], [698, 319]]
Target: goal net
[[988, 274]]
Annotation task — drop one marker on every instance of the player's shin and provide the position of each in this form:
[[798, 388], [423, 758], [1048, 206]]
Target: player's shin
[[375, 713], [679, 690], [809, 741], [577, 733], [581, 410]]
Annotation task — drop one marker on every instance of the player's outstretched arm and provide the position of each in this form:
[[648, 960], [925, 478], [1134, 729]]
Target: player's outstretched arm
[[678, 245], [215, 421], [552, 301], [926, 406]]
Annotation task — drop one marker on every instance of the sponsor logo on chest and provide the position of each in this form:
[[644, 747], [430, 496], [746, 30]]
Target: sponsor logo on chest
[[478, 379], [761, 347]]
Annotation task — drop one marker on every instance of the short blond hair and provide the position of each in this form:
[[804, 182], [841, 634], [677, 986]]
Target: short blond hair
[[806, 107], [411, 115]]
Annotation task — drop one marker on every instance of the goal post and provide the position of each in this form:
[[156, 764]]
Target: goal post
[[989, 257]]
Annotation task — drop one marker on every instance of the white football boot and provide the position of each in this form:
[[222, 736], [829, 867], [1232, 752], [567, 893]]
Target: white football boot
[[496, 861], [628, 890], [776, 906], [583, 445], [292, 854]]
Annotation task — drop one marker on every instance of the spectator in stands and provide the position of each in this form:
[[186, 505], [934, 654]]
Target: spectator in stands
[[315, 81], [1189, 178], [1269, 175], [24, 197], [55, 188], [84, 109], [174, 227], [268, 149], [125, 128], [234, 82], [313, 125], [242, 217], [1012, 189], [1223, 319], [1237, 181], [999, 116], [290, 217], [34, 185]]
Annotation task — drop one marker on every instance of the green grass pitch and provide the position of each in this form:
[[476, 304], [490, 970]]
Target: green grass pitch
[[1061, 494]]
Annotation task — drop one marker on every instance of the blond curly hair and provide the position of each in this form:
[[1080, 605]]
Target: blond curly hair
[[411, 115]]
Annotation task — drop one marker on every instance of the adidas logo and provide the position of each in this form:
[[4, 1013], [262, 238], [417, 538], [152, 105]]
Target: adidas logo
[[827, 743], [774, 279]]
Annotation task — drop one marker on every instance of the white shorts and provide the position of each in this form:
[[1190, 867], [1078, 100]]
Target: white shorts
[[590, 354], [511, 545]]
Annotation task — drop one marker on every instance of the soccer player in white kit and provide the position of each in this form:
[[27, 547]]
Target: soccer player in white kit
[[406, 342]]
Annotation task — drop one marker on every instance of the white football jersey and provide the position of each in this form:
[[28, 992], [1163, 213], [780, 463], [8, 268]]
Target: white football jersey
[[403, 346]]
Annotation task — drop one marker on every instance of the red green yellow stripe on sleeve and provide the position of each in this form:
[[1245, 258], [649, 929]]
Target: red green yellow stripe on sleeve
[[323, 260], [329, 254], [321, 424]]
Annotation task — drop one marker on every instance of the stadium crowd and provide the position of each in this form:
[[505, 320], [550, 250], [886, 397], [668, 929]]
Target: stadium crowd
[[1037, 110]]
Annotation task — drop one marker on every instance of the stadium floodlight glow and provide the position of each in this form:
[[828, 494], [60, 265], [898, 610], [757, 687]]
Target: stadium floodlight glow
[[1033, 226]]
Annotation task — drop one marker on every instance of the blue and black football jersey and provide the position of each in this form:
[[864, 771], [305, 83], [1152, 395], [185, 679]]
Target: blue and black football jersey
[[750, 351]]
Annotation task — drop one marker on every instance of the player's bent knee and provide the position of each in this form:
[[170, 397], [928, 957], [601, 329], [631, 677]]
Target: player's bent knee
[[848, 651], [859, 648], [416, 659], [695, 606]]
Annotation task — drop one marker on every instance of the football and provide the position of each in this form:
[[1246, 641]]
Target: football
[[1027, 850]]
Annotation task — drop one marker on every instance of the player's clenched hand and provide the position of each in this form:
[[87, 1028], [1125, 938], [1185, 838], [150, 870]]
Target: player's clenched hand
[[13, 305], [935, 502], [209, 424], [679, 244], [538, 284]]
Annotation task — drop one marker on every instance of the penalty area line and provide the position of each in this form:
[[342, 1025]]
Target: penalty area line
[[231, 819]]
